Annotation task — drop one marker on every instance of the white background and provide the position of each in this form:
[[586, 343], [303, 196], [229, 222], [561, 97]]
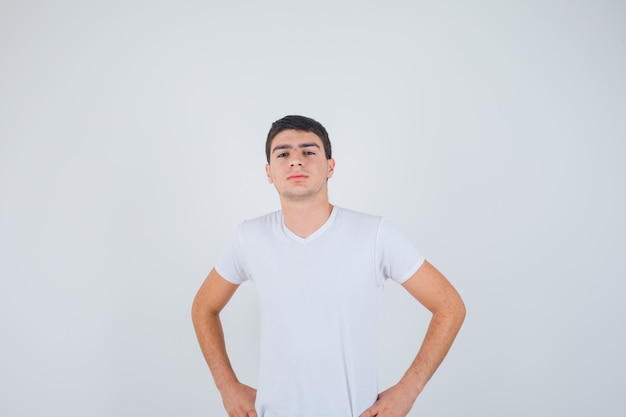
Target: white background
[[132, 143]]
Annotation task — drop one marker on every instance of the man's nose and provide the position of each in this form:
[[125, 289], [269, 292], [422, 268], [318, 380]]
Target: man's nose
[[295, 160]]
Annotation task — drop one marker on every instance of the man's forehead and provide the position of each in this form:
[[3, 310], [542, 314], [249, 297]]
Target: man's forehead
[[295, 138]]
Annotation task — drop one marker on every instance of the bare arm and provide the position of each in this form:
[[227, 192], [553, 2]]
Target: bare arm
[[211, 298], [431, 289]]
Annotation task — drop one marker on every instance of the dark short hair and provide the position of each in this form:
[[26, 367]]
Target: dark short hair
[[302, 123]]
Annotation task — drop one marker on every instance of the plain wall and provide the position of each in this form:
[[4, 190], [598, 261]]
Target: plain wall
[[132, 143]]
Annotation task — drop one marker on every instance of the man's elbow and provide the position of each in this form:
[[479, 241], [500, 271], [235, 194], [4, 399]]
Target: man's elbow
[[202, 311], [461, 311], [456, 310], [452, 310], [199, 309], [196, 310]]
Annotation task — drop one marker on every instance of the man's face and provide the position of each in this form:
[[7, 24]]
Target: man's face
[[298, 167]]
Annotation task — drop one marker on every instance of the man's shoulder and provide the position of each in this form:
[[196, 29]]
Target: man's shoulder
[[263, 222], [264, 218], [357, 218], [359, 215]]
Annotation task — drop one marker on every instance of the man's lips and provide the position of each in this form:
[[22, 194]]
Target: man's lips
[[296, 177]]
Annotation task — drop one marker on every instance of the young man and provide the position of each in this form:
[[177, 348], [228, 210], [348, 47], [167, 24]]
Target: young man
[[319, 272]]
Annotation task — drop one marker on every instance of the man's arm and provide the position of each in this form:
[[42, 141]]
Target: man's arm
[[211, 298], [432, 290]]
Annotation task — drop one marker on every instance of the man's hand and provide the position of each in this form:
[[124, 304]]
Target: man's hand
[[393, 402], [239, 400]]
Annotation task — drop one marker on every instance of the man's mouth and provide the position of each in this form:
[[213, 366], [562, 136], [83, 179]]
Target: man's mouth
[[297, 177]]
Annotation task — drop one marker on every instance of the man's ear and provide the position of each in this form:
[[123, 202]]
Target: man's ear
[[331, 168], [267, 173]]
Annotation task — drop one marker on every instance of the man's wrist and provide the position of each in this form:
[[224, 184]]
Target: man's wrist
[[226, 383], [411, 384]]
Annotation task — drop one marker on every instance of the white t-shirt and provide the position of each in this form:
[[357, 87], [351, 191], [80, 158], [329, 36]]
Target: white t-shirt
[[319, 301]]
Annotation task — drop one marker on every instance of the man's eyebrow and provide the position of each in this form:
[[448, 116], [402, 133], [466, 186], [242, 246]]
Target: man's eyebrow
[[302, 145]]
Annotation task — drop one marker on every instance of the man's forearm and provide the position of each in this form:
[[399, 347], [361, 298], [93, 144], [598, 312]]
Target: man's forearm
[[210, 335], [441, 332]]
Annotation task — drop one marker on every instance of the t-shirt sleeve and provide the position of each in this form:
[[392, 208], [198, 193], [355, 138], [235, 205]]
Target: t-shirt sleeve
[[397, 257], [231, 264]]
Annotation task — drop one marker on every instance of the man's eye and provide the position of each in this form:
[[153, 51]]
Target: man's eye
[[309, 153], [282, 155]]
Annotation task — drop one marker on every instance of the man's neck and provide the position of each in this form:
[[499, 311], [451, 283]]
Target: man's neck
[[305, 217]]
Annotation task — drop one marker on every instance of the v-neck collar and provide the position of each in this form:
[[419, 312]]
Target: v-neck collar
[[313, 235]]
